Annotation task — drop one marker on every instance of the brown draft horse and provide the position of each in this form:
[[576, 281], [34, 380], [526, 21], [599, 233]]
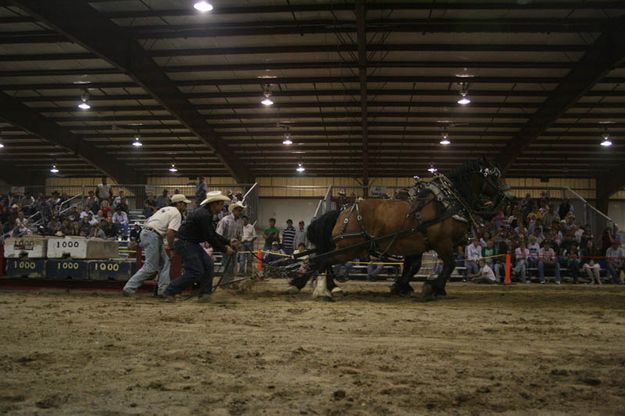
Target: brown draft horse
[[476, 189]]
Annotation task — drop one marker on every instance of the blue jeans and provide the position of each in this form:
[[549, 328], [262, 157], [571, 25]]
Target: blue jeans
[[541, 270], [246, 264], [156, 261], [197, 265]]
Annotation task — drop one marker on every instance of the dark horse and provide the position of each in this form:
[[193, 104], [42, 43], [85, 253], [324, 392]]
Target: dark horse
[[437, 217]]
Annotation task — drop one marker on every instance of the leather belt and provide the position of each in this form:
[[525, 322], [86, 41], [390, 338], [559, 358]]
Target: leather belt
[[153, 230]]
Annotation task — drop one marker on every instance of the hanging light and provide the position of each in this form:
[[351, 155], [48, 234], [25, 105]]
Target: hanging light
[[287, 138], [464, 94], [203, 6], [606, 140], [84, 104], [137, 141], [432, 169], [54, 169], [173, 168], [300, 168], [267, 101], [445, 139], [1, 145]]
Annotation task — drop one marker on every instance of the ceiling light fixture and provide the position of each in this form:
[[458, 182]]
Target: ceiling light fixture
[[445, 139], [464, 94], [606, 140], [432, 169], [1, 144], [267, 101], [287, 137], [300, 168], [173, 168], [54, 169], [84, 104], [203, 6], [137, 141]]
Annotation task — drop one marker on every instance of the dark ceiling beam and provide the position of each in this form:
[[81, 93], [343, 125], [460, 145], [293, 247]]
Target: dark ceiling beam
[[603, 56], [300, 80], [347, 6], [83, 24], [297, 65], [296, 49], [28, 120], [429, 25], [314, 93], [341, 48]]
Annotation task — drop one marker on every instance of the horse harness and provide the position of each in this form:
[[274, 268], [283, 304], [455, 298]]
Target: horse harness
[[443, 194]]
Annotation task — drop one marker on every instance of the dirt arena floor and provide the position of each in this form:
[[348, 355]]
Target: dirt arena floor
[[557, 350]]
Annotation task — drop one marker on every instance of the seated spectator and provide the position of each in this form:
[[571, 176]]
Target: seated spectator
[[571, 260], [484, 274], [488, 253], [274, 254], [343, 270], [590, 263], [534, 250], [374, 268], [614, 261], [92, 203], [120, 201], [105, 208], [459, 259], [473, 254], [85, 227], [135, 232], [120, 218], [549, 260], [97, 232], [521, 254]]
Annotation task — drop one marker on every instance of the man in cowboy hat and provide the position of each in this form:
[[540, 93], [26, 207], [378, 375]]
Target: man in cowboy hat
[[163, 224], [231, 227], [197, 228]]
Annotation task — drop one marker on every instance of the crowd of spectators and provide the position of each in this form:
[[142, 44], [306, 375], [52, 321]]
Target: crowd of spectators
[[544, 240]]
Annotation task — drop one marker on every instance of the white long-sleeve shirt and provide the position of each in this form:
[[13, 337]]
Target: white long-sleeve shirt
[[474, 252]]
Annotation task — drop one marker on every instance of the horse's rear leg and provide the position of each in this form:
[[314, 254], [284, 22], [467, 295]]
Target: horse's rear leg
[[402, 287], [331, 282]]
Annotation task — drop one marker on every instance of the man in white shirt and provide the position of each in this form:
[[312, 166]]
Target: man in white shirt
[[473, 254], [300, 235], [247, 244], [163, 224], [484, 275], [231, 228]]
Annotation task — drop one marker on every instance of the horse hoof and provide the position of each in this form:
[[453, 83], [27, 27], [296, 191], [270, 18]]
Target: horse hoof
[[402, 291], [325, 299], [338, 291]]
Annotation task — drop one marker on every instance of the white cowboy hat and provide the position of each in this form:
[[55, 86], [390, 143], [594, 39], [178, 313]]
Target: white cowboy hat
[[234, 205], [214, 196], [179, 198]]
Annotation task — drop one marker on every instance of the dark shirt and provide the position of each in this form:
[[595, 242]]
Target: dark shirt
[[198, 227]]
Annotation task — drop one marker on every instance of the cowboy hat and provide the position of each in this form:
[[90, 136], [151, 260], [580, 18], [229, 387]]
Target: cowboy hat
[[234, 205], [179, 198], [214, 196]]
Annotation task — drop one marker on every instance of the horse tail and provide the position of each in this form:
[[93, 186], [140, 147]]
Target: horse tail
[[320, 231]]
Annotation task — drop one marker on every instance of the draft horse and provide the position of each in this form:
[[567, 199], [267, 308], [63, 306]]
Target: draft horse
[[437, 216]]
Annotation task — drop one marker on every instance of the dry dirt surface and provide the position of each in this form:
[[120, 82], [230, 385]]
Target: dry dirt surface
[[522, 350]]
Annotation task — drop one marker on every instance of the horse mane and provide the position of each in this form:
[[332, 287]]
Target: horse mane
[[461, 177]]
